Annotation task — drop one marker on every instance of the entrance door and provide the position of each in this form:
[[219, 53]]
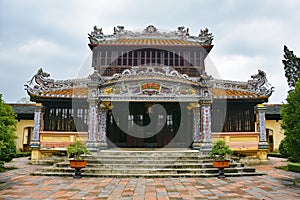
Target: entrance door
[[133, 129]]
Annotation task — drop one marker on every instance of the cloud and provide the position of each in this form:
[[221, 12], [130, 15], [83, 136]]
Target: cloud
[[249, 35]]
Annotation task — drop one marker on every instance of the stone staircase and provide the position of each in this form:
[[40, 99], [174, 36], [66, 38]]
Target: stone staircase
[[150, 164]]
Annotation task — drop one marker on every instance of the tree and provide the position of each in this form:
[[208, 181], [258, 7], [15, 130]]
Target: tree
[[7, 132], [290, 113], [291, 67]]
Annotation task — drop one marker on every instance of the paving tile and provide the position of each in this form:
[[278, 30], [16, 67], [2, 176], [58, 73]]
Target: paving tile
[[277, 184]]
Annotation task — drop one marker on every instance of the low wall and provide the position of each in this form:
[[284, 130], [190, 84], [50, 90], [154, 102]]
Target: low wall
[[52, 142], [244, 143]]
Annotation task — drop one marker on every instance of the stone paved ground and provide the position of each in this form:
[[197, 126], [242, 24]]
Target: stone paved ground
[[277, 184]]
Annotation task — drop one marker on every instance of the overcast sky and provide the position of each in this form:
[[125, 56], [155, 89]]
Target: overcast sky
[[248, 35]]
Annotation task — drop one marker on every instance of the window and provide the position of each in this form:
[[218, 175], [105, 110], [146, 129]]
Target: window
[[66, 119]]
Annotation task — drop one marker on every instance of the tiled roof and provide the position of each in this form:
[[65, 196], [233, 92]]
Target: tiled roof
[[273, 109], [150, 41], [66, 93], [23, 108], [219, 93]]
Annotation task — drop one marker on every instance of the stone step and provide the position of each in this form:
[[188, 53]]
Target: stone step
[[141, 172], [188, 175], [116, 163], [144, 161], [150, 165], [143, 158], [150, 170], [183, 153]]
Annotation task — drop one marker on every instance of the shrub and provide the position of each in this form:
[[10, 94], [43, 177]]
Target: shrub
[[295, 167], [76, 149], [220, 150], [7, 132], [283, 148]]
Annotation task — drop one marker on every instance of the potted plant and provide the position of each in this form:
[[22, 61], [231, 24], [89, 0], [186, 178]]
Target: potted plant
[[220, 152], [74, 152]]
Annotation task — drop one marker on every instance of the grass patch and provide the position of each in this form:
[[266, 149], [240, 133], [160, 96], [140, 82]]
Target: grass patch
[[275, 154], [4, 169], [294, 167], [22, 154], [283, 168]]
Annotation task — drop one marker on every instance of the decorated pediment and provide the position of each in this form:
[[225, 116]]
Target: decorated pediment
[[149, 88]]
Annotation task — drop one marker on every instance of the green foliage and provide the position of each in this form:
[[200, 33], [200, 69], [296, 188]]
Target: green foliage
[[7, 132], [283, 149], [290, 113], [220, 150], [22, 154], [295, 167], [76, 149], [291, 67]]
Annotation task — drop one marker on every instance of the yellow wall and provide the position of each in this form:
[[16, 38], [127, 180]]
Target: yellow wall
[[21, 125], [278, 133]]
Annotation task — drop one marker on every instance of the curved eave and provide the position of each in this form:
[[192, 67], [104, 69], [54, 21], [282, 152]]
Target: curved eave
[[62, 94], [82, 93], [231, 94]]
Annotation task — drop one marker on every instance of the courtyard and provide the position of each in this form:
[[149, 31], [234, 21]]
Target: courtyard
[[276, 184]]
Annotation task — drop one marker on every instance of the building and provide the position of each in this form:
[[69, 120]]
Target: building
[[24, 127], [273, 125], [149, 89]]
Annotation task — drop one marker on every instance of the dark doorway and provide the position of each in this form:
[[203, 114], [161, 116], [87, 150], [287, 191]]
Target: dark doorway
[[149, 125]]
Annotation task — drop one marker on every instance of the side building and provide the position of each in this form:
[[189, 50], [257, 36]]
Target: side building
[[24, 128], [273, 125]]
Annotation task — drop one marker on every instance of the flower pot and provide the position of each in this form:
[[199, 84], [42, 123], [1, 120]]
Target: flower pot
[[221, 163], [78, 163]]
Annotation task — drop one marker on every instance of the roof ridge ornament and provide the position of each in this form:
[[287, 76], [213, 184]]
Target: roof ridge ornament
[[260, 84], [150, 29], [97, 36], [41, 82]]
